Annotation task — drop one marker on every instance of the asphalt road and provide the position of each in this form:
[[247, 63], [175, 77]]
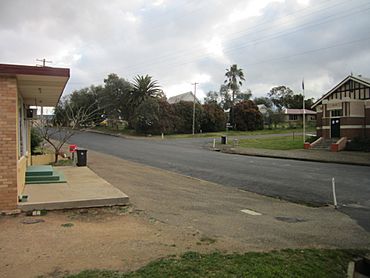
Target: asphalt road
[[298, 181]]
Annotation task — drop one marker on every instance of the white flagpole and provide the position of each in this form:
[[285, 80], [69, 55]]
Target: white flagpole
[[304, 115]]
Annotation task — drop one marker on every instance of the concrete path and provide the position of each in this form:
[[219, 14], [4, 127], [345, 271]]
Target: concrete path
[[217, 211], [344, 157]]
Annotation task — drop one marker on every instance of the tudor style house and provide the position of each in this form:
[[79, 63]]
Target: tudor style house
[[344, 111]]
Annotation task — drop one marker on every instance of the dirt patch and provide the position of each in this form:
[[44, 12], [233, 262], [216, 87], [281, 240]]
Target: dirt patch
[[120, 238]]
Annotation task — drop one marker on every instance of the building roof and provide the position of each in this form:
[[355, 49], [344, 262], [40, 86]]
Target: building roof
[[189, 96], [39, 86], [363, 80], [299, 112]]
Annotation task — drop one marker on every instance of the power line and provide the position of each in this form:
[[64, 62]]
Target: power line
[[189, 51], [269, 37]]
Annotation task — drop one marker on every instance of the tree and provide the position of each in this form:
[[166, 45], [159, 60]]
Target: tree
[[183, 116], [240, 96], [212, 97], [154, 116], [64, 125], [143, 87], [226, 102], [263, 100], [280, 96], [89, 98], [214, 118], [115, 98], [247, 116], [234, 77]]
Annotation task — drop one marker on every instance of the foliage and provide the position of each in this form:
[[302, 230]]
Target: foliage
[[143, 87], [247, 116], [234, 77], [153, 116], [115, 99], [279, 96], [359, 144], [36, 140], [263, 100], [214, 118], [284, 97], [183, 116], [284, 263]]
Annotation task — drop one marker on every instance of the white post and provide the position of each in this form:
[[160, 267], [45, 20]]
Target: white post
[[334, 194], [214, 143], [162, 136], [304, 116], [195, 92]]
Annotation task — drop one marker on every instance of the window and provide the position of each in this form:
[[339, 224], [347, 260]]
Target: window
[[336, 113], [293, 117]]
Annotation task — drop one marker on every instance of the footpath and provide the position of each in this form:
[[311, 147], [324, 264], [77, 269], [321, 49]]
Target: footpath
[[343, 157]]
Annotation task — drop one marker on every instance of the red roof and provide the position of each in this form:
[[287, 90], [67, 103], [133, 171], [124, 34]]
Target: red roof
[[299, 112]]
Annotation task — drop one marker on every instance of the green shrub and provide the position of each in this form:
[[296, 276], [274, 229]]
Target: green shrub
[[36, 140], [359, 144]]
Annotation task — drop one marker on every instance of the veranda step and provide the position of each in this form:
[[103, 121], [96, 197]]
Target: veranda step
[[40, 170]]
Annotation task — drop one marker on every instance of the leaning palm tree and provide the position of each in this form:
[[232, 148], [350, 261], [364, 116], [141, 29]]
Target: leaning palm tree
[[143, 87], [234, 78]]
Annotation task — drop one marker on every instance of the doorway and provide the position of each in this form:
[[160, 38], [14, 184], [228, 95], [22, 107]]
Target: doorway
[[335, 128]]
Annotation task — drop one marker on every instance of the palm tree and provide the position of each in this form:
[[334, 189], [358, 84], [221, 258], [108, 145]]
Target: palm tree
[[234, 78], [144, 87]]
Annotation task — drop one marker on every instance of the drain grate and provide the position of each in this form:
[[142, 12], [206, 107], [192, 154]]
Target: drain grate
[[290, 219]]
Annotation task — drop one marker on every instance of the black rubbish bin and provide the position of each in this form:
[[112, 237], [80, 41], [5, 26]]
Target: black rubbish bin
[[81, 157], [223, 139]]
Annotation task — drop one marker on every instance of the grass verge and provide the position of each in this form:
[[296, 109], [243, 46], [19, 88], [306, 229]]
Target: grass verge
[[284, 263], [274, 143]]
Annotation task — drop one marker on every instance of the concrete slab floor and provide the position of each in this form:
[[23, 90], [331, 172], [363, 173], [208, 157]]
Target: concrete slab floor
[[84, 188]]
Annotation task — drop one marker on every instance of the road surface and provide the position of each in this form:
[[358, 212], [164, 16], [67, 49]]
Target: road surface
[[298, 181]]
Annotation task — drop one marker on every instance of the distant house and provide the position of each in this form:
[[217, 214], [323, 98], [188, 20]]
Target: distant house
[[295, 116], [189, 96], [344, 111], [262, 108]]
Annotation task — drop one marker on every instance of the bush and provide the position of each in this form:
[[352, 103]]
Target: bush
[[312, 139], [214, 118], [153, 116], [36, 140], [359, 144], [183, 116], [247, 116]]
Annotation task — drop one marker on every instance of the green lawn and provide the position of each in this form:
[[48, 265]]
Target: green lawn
[[285, 263], [241, 133], [274, 143]]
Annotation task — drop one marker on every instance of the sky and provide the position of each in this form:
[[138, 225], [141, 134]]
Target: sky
[[275, 42]]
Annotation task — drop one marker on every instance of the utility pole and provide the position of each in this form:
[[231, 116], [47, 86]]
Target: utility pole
[[43, 62], [195, 92]]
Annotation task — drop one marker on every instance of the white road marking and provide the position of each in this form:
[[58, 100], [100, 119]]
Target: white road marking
[[251, 212]]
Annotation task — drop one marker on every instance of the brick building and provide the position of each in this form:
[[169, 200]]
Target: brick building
[[22, 87], [344, 111]]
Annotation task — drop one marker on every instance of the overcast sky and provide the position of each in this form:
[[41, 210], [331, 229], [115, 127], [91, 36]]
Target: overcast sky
[[179, 42]]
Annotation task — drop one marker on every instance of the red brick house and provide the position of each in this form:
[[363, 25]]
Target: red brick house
[[344, 111], [21, 87]]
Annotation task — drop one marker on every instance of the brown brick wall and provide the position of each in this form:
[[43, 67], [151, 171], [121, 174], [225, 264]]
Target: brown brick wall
[[367, 116], [352, 133], [8, 143], [351, 121]]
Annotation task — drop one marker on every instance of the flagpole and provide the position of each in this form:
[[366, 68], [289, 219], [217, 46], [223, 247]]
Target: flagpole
[[304, 115]]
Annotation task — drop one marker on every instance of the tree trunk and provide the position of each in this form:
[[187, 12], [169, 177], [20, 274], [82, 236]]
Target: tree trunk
[[56, 156]]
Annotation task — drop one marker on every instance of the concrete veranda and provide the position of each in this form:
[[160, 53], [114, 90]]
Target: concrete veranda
[[83, 189]]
